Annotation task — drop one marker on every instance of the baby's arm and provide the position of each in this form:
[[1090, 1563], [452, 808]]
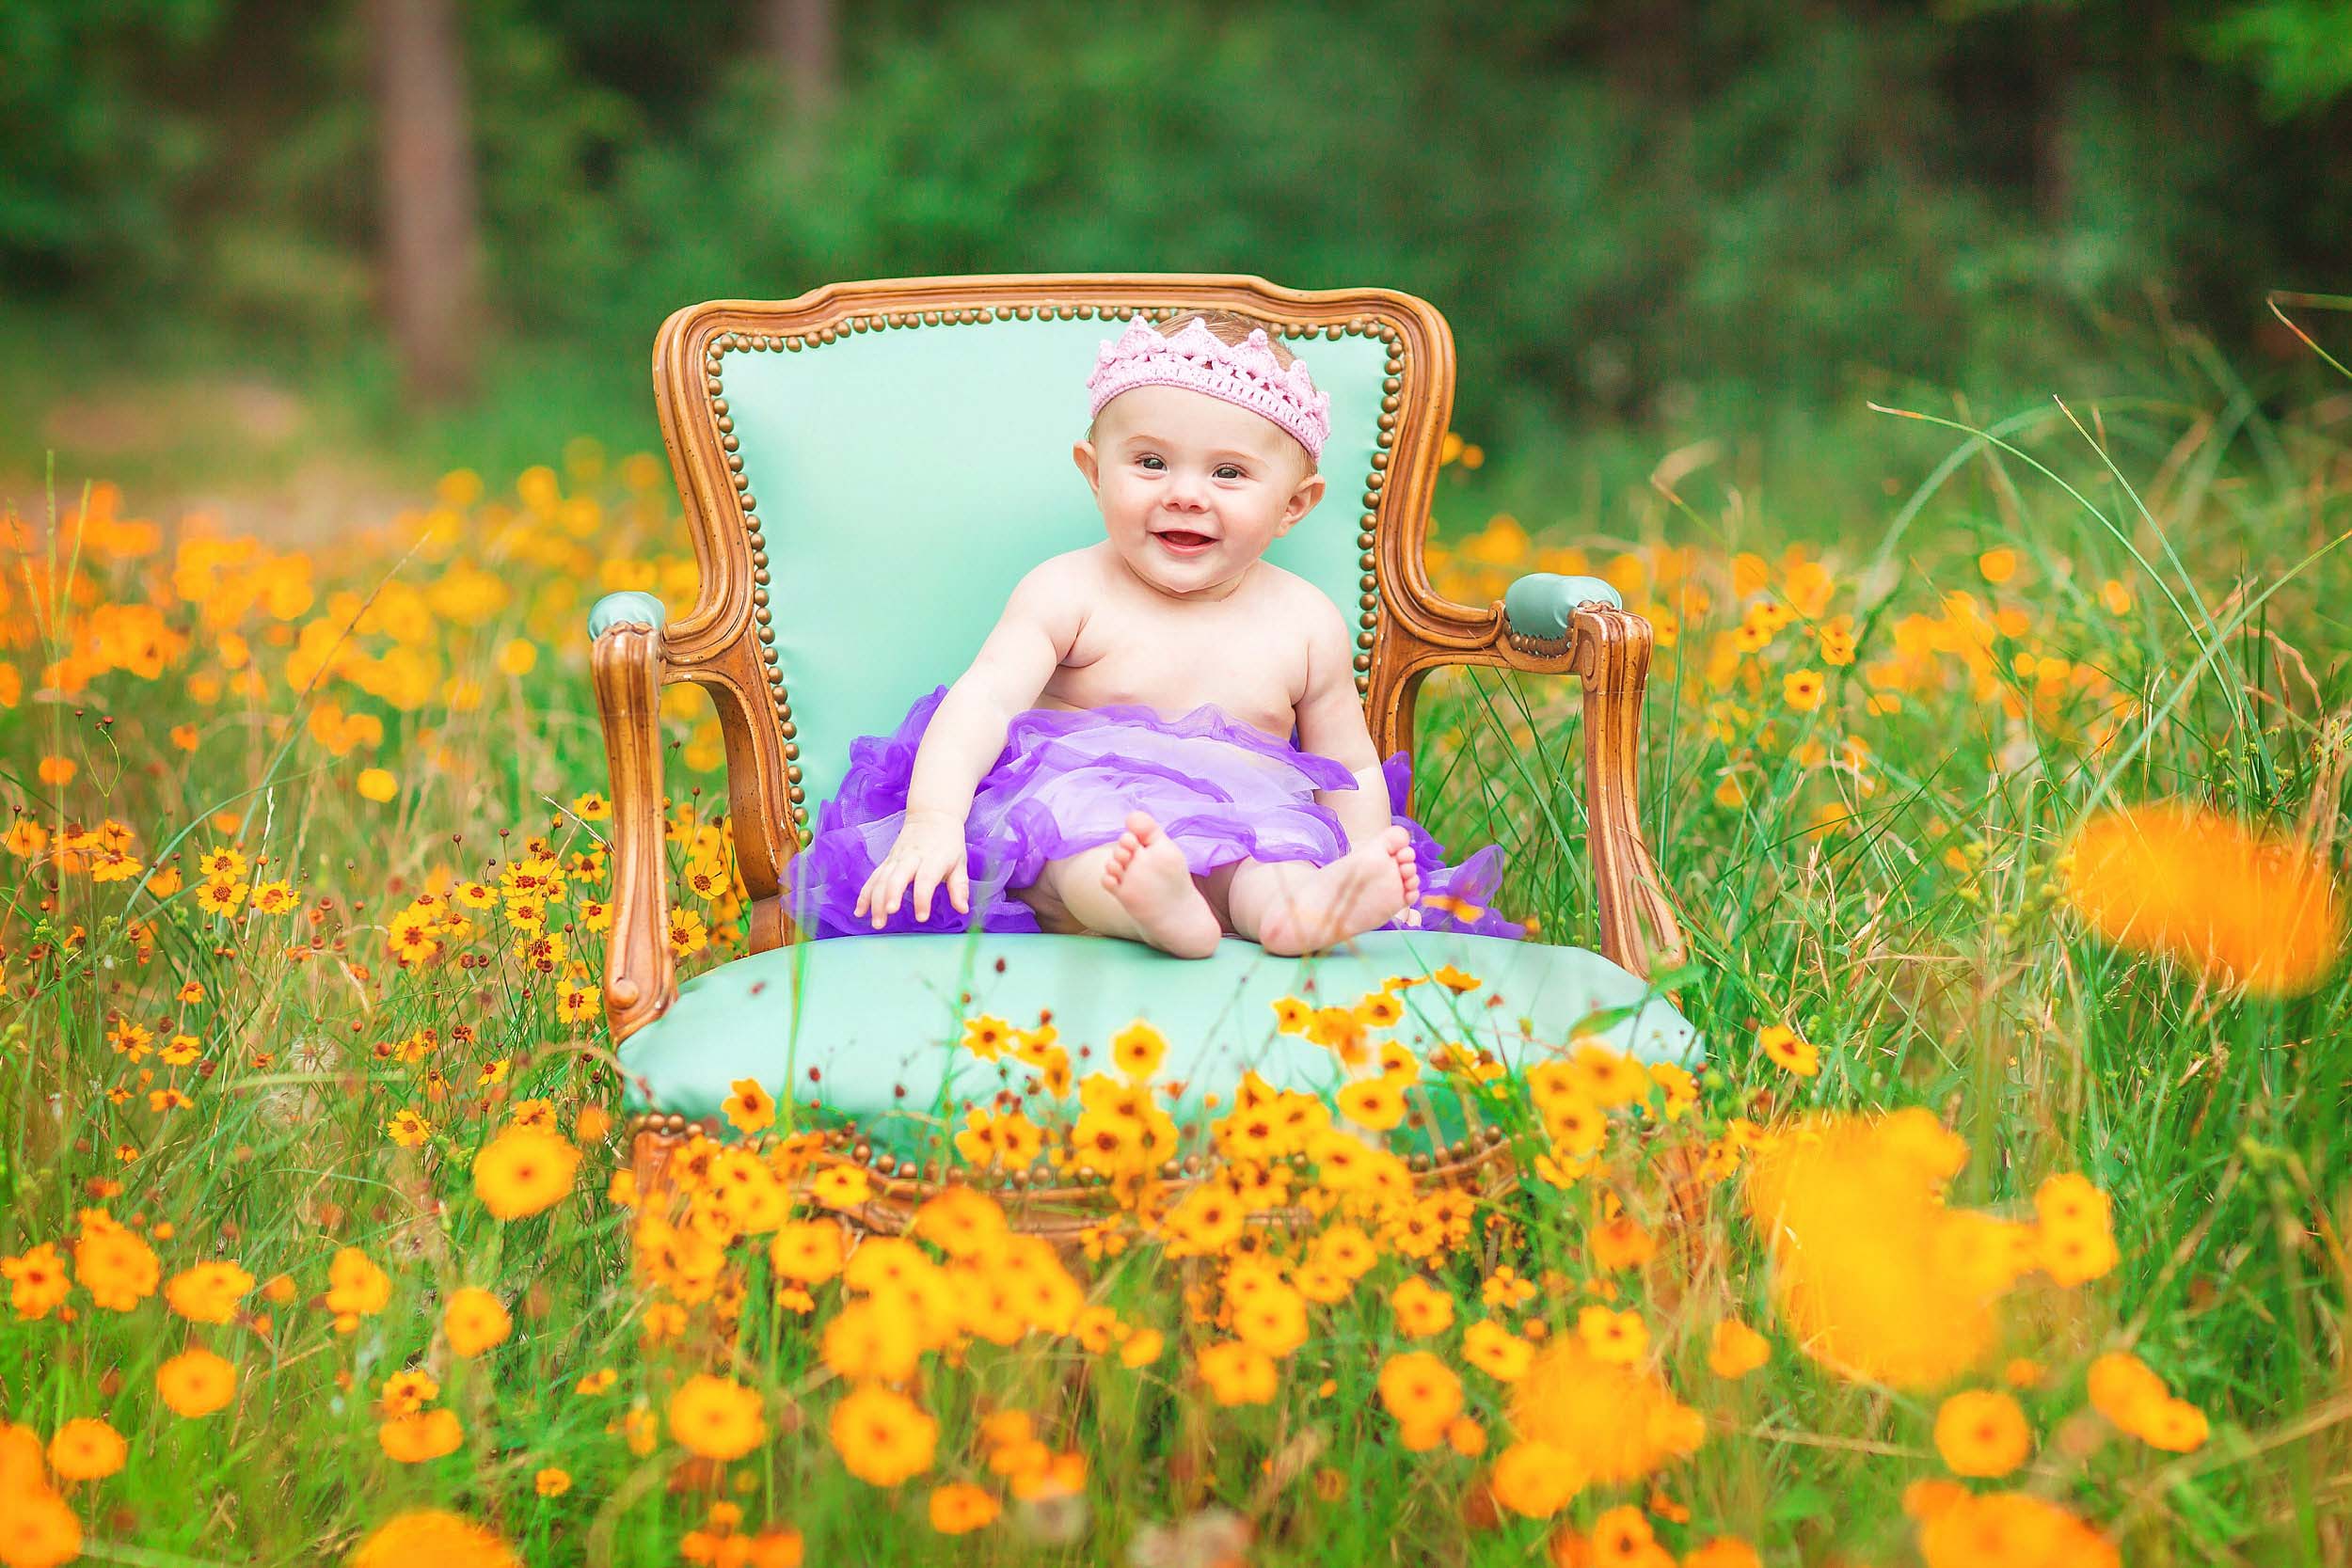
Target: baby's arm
[[1331, 724], [1034, 633], [1031, 637]]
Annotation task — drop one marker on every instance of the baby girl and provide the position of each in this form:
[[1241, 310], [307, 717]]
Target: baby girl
[[1161, 739]]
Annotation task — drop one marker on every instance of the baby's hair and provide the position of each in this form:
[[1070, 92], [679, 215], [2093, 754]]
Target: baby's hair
[[1232, 328]]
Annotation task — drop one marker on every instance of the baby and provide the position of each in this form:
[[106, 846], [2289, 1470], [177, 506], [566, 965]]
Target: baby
[[1161, 739]]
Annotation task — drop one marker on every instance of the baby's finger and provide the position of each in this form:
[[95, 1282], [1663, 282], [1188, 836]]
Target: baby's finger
[[923, 883], [960, 889]]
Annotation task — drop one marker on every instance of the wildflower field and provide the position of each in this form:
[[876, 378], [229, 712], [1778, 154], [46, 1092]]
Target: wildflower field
[[2003, 1225]]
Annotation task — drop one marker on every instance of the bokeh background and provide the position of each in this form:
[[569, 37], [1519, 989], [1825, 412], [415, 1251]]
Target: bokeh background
[[296, 255]]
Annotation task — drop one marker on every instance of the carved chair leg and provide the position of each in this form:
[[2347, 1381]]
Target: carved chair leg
[[640, 976], [650, 1150], [1638, 928]]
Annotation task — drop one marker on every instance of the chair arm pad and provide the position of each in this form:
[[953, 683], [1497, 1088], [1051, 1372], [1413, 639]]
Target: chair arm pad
[[629, 608], [1542, 604]]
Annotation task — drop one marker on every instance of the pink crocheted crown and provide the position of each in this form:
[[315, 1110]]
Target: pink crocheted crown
[[1246, 373]]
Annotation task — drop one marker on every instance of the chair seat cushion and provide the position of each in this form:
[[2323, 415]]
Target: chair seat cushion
[[869, 1029]]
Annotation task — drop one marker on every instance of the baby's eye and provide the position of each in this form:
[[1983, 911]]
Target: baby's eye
[[1225, 468]]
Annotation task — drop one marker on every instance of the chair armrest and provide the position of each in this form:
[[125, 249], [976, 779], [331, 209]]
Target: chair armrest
[[1543, 605], [1610, 652], [625, 609], [625, 662]]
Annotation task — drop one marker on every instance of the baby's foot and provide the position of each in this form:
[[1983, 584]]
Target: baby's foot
[[1147, 874], [1361, 890]]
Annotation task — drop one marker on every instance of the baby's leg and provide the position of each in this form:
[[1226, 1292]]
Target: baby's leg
[[1138, 888], [1289, 908]]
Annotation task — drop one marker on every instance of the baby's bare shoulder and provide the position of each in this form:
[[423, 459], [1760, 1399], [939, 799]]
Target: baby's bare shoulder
[[1300, 601], [1072, 577]]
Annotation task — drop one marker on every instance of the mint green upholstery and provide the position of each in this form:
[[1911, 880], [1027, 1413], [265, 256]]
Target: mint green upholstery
[[875, 1014], [1542, 604], [926, 468]]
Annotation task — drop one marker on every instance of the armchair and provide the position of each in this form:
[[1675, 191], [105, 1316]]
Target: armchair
[[866, 469]]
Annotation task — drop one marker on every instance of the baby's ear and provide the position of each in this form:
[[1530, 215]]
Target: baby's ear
[[1083, 454], [1304, 498]]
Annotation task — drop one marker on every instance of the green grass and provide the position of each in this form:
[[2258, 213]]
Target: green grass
[[2216, 1122]]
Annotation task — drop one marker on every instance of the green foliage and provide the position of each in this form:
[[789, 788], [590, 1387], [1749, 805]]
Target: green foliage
[[1637, 215], [2299, 50], [93, 156]]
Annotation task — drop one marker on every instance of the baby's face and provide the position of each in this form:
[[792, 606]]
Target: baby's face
[[1193, 489]]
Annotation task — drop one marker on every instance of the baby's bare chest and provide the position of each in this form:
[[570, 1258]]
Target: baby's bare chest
[[1250, 662]]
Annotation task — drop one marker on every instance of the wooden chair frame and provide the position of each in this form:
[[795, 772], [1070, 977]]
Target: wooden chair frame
[[724, 643]]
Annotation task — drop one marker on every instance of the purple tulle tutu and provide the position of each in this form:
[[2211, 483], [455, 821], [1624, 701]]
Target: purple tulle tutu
[[1065, 782]]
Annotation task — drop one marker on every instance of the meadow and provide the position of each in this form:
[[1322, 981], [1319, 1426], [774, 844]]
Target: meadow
[[2003, 1224]]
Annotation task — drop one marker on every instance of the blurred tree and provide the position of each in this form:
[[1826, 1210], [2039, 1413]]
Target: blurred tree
[[89, 158], [426, 146], [804, 36], [1627, 211]]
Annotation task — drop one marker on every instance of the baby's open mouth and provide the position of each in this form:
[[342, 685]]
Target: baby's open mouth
[[1182, 539]]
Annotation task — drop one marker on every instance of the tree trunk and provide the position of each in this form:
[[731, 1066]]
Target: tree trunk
[[803, 37], [426, 148]]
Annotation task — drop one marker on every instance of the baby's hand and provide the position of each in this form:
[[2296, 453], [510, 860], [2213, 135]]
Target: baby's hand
[[930, 845]]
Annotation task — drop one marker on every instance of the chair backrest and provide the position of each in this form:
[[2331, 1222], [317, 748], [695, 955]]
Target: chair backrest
[[870, 467]]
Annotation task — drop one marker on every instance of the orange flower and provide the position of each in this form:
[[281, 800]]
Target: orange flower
[[1534, 1479], [840, 1186], [1958, 1528], [196, 1382], [475, 1321], [524, 1170], [356, 1288], [1421, 1310], [749, 1107], [1622, 1537], [1607, 1421], [2242, 906], [113, 1262], [810, 1251], [421, 1435], [1982, 1432], [2125, 1391], [883, 1437], [1423, 1393], [1496, 1351], [1622, 1243], [86, 1448], [1618, 1337], [1453, 979], [1875, 1277], [432, 1535], [2075, 1241], [1239, 1373], [960, 1508], [1373, 1102], [717, 1417], [1783, 1045], [38, 1281], [1137, 1050], [209, 1293], [41, 1530], [1735, 1350]]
